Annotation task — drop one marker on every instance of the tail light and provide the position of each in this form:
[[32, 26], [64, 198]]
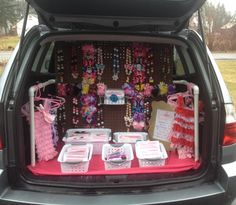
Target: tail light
[[1, 143], [230, 126]]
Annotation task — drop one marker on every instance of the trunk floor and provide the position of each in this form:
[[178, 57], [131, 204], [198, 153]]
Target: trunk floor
[[96, 167]]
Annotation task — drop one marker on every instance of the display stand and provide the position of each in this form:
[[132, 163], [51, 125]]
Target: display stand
[[32, 91], [196, 115]]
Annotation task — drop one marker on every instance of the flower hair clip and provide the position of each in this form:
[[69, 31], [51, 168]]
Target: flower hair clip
[[138, 106], [140, 51], [147, 90], [163, 88], [139, 77], [171, 89], [62, 89], [88, 100], [128, 90], [139, 116], [88, 112], [101, 89], [88, 49], [138, 125]]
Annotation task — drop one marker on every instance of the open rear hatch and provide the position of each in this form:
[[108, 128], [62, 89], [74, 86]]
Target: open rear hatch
[[168, 15]]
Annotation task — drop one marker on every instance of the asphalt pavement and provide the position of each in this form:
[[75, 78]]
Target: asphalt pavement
[[224, 56]]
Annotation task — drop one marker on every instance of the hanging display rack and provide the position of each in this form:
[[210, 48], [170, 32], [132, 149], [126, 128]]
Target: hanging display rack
[[195, 89], [32, 91]]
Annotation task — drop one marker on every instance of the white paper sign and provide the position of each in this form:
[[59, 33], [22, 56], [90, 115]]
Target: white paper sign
[[163, 124]]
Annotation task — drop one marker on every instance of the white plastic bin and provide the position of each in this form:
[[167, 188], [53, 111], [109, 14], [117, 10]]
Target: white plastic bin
[[125, 149], [157, 153], [95, 136], [78, 166], [130, 137]]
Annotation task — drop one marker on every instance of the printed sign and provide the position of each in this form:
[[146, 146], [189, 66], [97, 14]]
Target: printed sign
[[163, 124]]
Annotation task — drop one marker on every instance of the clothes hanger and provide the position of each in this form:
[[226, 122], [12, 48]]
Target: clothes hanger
[[55, 101]]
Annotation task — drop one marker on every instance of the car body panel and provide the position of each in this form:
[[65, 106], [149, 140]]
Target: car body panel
[[168, 15], [201, 194]]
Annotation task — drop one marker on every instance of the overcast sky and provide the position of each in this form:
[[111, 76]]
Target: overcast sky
[[230, 5]]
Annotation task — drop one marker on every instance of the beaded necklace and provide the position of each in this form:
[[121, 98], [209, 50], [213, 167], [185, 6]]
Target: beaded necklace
[[150, 66], [116, 64], [60, 64], [75, 111], [128, 116], [74, 61], [128, 64], [99, 65]]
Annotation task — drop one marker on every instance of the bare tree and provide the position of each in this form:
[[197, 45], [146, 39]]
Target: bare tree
[[214, 17], [10, 13]]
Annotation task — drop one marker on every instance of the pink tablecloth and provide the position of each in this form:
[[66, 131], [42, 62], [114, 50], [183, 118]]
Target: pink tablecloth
[[96, 167]]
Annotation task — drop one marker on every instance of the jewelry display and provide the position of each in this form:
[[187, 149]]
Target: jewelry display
[[88, 98], [116, 64], [123, 87], [94, 88]]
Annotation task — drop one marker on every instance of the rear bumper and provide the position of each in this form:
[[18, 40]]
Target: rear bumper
[[203, 194]]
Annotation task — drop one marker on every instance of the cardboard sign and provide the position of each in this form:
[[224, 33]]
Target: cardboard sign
[[161, 122]]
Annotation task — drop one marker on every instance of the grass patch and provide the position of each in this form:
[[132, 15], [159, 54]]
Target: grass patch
[[8, 42], [228, 71], [1, 69]]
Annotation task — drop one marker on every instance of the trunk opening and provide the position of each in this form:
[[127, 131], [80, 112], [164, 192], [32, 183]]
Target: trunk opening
[[170, 63]]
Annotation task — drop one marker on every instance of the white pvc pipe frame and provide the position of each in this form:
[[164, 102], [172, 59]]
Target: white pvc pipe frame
[[32, 91], [196, 116]]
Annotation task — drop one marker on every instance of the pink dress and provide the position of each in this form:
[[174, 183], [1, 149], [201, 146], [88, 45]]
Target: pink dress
[[43, 135]]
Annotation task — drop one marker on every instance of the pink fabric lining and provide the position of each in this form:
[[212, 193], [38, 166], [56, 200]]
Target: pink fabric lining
[[96, 167]]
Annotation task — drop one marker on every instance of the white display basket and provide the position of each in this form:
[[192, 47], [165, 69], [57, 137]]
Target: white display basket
[[130, 137], [121, 164], [95, 136], [74, 167], [151, 161]]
